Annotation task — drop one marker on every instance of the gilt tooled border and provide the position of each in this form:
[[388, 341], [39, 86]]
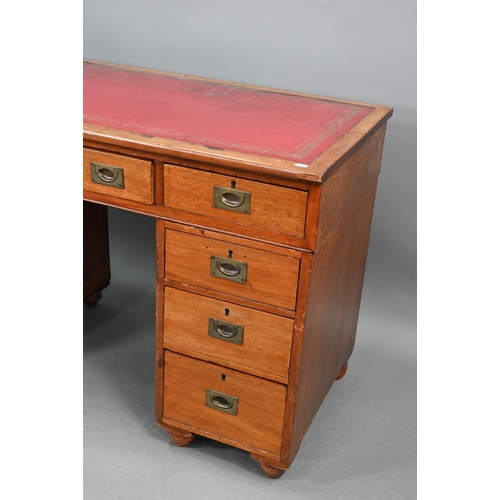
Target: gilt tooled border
[[301, 151]]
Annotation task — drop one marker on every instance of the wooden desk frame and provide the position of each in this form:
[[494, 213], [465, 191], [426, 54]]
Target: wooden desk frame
[[334, 199]]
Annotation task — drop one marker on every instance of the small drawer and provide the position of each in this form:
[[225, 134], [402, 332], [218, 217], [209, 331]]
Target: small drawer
[[239, 336], [118, 176], [232, 269], [250, 203], [223, 402]]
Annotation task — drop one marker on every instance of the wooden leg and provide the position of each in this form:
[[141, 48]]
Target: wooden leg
[[272, 469], [342, 372], [96, 269], [92, 299], [180, 437]]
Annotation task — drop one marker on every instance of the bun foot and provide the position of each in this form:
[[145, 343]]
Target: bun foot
[[342, 372], [273, 471], [180, 438], [92, 299]]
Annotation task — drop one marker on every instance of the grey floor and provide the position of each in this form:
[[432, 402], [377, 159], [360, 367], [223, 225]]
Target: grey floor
[[362, 444]]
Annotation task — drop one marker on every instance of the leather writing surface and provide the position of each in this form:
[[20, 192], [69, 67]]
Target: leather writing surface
[[215, 115]]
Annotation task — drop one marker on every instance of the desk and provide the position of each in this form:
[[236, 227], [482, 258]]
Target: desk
[[264, 201]]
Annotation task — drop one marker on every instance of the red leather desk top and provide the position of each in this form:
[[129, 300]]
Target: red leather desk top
[[216, 115]]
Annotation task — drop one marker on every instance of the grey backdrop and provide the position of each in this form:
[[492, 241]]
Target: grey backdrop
[[362, 443]]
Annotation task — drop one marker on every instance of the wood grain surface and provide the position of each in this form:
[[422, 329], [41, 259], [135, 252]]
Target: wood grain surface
[[267, 338], [138, 176], [347, 184], [273, 208], [333, 302], [261, 403], [271, 278]]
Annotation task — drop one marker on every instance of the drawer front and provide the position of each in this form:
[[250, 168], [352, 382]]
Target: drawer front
[[255, 418], [270, 207], [239, 335], [268, 277], [118, 176]]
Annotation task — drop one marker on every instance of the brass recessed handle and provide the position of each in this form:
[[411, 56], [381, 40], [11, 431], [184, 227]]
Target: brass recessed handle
[[229, 269], [106, 175], [222, 402], [224, 330], [230, 199]]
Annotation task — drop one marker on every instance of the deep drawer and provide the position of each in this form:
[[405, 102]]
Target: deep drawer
[[119, 176], [256, 204], [231, 269], [244, 338], [198, 394]]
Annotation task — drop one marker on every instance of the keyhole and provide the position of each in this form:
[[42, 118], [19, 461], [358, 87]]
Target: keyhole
[[226, 312], [229, 254], [233, 184], [223, 377]]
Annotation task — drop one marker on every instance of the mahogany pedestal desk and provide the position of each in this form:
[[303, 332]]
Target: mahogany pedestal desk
[[264, 202]]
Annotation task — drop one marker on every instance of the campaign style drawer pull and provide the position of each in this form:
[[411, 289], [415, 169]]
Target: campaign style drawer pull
[[222, 402], [228, 269], [223, 330], [106, 175], [233, 200]]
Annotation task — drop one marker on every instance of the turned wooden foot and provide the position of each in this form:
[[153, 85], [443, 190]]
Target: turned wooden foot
[[273, 471], [342, 372], [180, 438], [92, 299]]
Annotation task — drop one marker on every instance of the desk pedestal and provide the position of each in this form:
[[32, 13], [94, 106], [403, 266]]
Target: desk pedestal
[[96, 268]]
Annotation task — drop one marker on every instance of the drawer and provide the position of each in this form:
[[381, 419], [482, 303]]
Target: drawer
[[111, 169], [267, 206], [255, 418], [241, 337], [268, 277]]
